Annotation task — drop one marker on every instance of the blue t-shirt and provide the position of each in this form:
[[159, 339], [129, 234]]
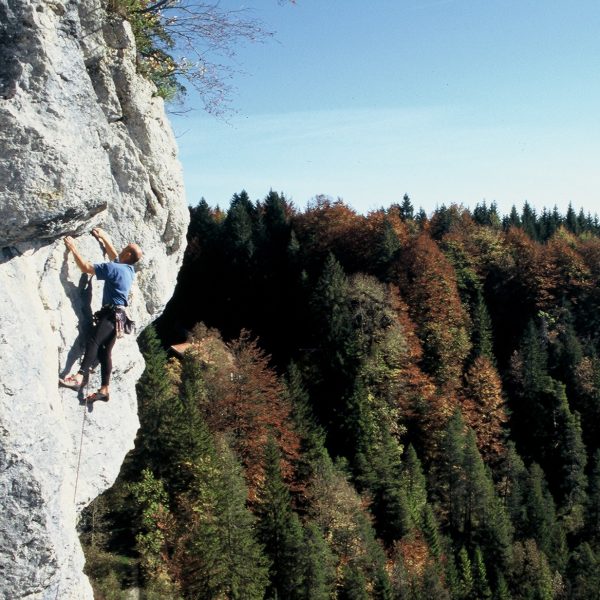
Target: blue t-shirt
[[118, 278]]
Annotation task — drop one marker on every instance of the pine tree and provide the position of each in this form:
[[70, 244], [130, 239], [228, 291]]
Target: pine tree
[[432, 584], [379, 472], [571, 220], [481, 586], [317, 565], [331, 313], [449, 480], [583, 574], [239, 229], [515, 489], [353, 584], [494, 217], [275, 219], [421, 218], [406, 209], [279, 528], [573, 459], [386, 250], [514, 219], [529, 221], [155, 395], [413, 485], [311, 434], [243, 564], [502, 590], [532, 410], [465, 574], [540, 521], [431, 532], [184, 436], [531, 577], [475, 512], [486, 521], [382, 587], [481, 214], [592, 520], [482, 340]]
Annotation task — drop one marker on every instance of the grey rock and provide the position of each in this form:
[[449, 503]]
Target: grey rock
[[84, 142]]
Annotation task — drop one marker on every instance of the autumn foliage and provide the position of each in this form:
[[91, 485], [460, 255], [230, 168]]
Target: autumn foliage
[[379, 406]]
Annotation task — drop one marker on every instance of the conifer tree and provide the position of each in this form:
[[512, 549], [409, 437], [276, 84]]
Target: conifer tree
[[378, 468], [382, 587], [431, 532], [532, 414], [486, 522], [386, 250], [481, 586], [243, 565], [476, 513], [279, 529], [584, 574], [353, 585], [515, 489], [433, 584], [239, 229], [573, 459], [541, 524], [413, 484], [184, 434], [331, 313], [421, 218], [514, 219], [502, 591], [465, 574], [311, 434], [529, 221], [482, 330], [155, 398], [593, 503], [317, 565], [531, 576], [276, 220], [571, 219], [406, 209], [449, 480]]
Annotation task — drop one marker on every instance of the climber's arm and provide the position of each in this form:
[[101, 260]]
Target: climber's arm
[[84, 265], [101, 236]]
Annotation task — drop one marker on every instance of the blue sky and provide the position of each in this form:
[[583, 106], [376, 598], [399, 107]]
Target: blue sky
[[446, 100]]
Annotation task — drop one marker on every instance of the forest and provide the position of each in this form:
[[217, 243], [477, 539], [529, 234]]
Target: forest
[[394, 406]]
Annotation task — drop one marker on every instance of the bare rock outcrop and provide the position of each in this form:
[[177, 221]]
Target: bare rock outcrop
[[84, 142]]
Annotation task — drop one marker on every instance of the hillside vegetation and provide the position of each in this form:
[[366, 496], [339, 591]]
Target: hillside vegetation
[[389, 406]]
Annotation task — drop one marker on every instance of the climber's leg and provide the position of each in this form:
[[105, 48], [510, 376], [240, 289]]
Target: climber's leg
[[103, 331], [105, 356]]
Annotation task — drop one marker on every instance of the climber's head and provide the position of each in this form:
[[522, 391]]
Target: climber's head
[[130, 254]]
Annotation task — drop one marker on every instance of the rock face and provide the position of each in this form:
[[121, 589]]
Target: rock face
[[83, 143]]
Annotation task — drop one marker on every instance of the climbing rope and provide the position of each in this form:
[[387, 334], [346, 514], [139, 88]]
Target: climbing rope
[[85, 404]]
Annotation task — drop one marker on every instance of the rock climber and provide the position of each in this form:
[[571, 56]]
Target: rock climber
[[118, 276]]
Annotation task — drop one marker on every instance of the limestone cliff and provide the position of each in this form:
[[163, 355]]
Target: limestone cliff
[[83, 142]]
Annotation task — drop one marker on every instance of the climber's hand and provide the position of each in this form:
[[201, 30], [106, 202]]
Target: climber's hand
[[70, 244], [98, 233]]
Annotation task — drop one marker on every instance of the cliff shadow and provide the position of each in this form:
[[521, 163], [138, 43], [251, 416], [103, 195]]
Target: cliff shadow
[[80, 296]]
